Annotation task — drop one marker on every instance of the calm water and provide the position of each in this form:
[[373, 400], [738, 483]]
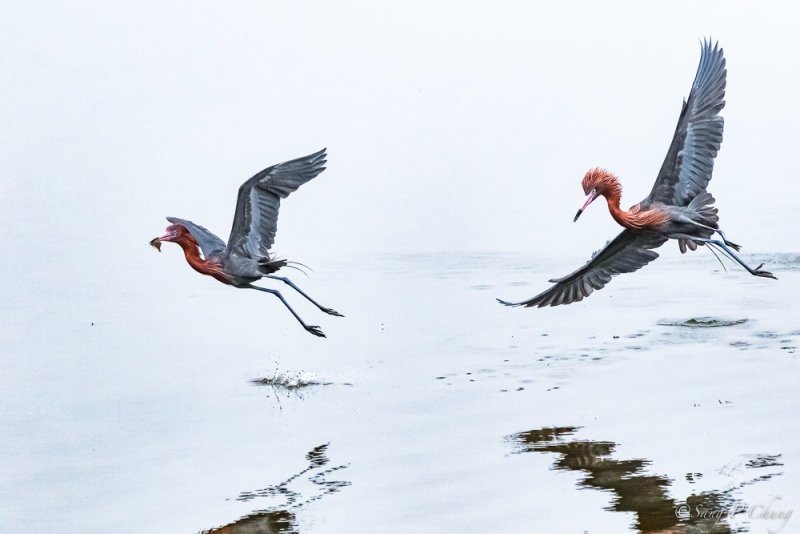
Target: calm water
[[665, 403]]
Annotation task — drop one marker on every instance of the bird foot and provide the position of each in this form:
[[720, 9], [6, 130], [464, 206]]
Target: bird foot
[[765, 274], [331, 311], [734, 246], [317, 331]]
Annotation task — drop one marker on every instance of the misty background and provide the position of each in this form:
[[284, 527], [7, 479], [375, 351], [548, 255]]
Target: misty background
[[457, 137], [450, 126]]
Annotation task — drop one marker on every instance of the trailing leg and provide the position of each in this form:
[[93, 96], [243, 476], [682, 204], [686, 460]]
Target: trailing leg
[[329, 311], [313, 329], [755, 272]]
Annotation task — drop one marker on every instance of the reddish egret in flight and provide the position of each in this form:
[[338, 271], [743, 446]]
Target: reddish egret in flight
[[678, 207], [245, 258]]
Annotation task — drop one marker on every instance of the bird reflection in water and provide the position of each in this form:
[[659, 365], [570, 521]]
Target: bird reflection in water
[[276, 522], [281, 519], [645, 495]]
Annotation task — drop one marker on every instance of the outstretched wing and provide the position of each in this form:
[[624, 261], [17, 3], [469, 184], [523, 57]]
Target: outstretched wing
[[208, 242], [256, 219], [628, 252], [687, 168]]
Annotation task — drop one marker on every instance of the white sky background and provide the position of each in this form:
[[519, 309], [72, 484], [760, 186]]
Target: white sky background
[[457, 126]]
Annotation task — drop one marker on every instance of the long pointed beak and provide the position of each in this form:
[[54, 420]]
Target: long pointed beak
[[589, 199], [169, 235]]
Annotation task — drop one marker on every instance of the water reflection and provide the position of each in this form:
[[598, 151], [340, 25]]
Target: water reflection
[[643, 494], [281, 518], [277, 522]]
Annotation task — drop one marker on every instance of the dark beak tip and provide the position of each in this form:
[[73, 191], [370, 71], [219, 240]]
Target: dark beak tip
[[577, 215]]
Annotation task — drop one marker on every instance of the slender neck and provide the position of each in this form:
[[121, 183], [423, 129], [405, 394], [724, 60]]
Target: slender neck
[[191, 250], [613, 194], [613, 198]]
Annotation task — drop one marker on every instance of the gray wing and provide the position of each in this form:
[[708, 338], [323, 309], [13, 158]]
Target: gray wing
[[256, 219], [208, 242], [687, 168], [628, 252]]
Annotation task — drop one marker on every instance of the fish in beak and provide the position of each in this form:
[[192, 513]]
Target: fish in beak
[[168, 236]]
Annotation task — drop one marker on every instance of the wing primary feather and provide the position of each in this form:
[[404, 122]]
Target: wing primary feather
[[626, 253], [689, 163], [255, 220]]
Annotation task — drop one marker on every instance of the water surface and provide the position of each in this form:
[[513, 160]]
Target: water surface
[[186, 406]]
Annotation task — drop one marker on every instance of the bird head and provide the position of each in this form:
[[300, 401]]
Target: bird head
[[174, 233], [590, 188], [597, 182]]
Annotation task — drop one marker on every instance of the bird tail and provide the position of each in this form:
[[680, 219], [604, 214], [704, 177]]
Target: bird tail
[[702, 211], [268, 266], [706, 213], [703, 206]]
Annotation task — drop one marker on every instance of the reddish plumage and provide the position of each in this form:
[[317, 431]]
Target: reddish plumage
[[607, 185], [191, 249], [678, 207], [246, 257]]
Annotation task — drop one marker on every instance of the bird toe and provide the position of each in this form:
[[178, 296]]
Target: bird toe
[[765, 274], [317, 331]]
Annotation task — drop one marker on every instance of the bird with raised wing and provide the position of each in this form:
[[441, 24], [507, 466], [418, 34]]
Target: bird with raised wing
[[678, 207], [246, 257]]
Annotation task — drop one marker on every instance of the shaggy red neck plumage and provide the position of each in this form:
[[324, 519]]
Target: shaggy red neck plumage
[[191, 249], [608, 186]]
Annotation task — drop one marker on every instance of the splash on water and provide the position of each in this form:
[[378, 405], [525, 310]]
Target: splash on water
[[702, 322], [291, 380]]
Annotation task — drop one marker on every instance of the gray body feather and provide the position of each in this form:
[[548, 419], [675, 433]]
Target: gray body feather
[[679, 189], [255, 221]]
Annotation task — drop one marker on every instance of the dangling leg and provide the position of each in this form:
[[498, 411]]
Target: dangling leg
[[329, 311], [720, 232], [313, 329], [755, 272]]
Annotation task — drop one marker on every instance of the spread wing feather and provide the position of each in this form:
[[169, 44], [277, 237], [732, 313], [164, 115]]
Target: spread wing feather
[[628, 252], [256, 218], [687, 168]]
